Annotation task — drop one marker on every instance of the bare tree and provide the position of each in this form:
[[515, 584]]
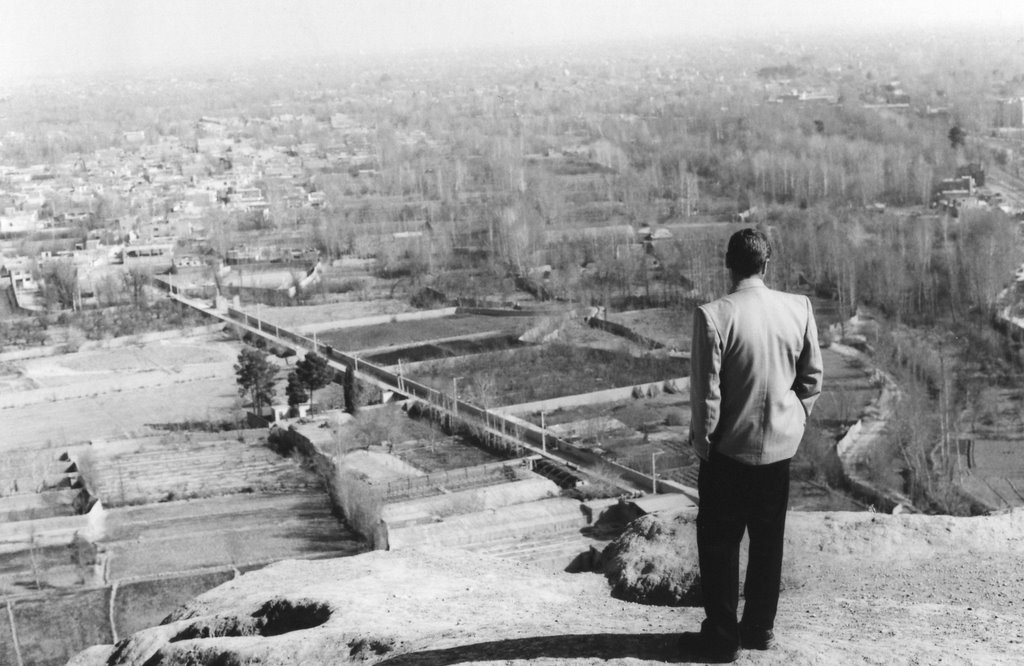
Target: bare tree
[[61, 286], [135, 280]]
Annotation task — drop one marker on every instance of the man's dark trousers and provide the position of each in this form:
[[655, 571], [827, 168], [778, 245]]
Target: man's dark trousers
[[733, 497]]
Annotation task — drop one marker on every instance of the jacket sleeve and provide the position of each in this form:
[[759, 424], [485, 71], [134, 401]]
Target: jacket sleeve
[[809, 369], [705, 388]]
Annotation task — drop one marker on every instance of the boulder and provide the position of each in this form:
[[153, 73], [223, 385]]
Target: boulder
[[655, 561]]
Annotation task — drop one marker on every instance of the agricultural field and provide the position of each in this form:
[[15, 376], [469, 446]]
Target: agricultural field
[[118, 392], [119, 413], [671, 327], [187, 465], [174, 502], [237, 530], [296, 317], [995, 473], [992, 469], [418, 442], [440, 454], [548, 371], [405, 333]]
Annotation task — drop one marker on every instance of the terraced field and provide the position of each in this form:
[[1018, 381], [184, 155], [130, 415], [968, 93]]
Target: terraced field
[[238, 530], [161, 468], [670, 326]]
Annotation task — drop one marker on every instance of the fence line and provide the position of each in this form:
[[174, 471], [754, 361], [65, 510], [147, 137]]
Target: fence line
[[478, 472]]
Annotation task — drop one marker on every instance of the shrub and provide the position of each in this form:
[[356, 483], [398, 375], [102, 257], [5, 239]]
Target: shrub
[[674, 418]]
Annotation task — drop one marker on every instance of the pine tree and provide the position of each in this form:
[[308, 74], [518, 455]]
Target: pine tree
[[314, 373], [295, 390], [255, 376]]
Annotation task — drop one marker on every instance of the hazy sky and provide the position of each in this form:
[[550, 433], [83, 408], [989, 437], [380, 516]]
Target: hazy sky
[[39, 37]]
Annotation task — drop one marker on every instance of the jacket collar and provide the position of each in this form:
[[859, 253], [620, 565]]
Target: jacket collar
[[748, 283]]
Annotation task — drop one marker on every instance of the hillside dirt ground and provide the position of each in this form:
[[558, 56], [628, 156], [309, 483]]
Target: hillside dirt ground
[[860, 588]]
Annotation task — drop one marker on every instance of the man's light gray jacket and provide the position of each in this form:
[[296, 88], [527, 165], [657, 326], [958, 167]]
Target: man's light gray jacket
[[755, 373]]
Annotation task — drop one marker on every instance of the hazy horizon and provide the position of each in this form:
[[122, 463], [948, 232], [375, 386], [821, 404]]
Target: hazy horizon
[[53, 37]]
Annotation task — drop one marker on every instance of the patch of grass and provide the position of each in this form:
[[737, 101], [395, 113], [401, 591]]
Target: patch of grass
[[410, 332]]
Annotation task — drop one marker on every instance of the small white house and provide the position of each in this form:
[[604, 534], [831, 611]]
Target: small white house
[[284, 411]]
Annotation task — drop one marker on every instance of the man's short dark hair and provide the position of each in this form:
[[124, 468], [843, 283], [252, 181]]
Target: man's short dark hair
[[748, 253]]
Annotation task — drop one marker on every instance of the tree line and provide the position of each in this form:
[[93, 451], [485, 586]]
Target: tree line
[[257, 378], [919, 269]]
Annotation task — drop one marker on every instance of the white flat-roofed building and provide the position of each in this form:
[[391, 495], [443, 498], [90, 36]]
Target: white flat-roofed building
[[20, 272], [18, 222]]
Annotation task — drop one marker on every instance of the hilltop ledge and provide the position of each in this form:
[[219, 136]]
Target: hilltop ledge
[[859, 588]]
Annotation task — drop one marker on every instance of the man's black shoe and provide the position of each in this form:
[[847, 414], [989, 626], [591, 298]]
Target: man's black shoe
[[694, 646], [757, 639]]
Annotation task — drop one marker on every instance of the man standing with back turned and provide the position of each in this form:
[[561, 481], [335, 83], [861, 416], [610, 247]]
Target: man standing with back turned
[[755, 374]]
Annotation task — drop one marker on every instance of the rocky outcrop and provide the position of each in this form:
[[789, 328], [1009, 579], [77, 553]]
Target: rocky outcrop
[[654, 561], [859, 588], [402, 607]]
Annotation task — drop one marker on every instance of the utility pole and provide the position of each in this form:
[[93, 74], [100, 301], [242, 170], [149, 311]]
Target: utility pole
[[543, 434], [455, 396], [654, 473]]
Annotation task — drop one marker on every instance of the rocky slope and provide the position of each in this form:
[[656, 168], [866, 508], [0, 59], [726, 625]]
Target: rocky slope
[[860, 588]]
